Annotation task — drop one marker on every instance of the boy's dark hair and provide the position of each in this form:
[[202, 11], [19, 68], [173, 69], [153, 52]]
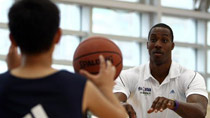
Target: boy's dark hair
[[33, 24], [164, 26]]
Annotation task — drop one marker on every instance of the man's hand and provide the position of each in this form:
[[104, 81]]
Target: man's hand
[[13, 58], [160, 104], [106, 74], [130, 110]]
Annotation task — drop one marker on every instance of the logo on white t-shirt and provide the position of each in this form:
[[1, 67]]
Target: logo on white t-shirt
[[172, 91], [144, 90]]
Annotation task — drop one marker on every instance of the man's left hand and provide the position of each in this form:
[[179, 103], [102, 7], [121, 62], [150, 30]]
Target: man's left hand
[[160, 104]]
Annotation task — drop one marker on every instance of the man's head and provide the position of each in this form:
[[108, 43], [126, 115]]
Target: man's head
[[33, 25], [163, 26], [160, 43]]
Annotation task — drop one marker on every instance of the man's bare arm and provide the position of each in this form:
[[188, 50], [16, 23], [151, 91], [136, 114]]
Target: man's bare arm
[[195, 107], [123, 98]]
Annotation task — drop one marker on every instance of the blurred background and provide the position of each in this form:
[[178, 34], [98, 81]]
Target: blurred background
[[127, 23]]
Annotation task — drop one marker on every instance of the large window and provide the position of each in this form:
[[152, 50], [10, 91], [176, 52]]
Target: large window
[[4, 41], [185, 56], [130, 51], [70, 20], [208, 34], [208, 67], [4, 8], [3, 66], [145, 53], [4, 34], [107, 21], [184, 28], [183, 4], [66, 47], [116, 22], [70, 16]]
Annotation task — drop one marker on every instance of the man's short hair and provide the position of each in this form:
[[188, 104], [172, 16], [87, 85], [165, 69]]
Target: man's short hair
[[164, 26], [33, 24]]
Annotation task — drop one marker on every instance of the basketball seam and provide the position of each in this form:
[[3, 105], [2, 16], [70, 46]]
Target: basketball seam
[[101, 38], [115, 65], [96, 53], [100, 52]]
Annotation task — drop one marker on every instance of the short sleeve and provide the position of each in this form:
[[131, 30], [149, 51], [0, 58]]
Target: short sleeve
[[126, 82], [196, 85]]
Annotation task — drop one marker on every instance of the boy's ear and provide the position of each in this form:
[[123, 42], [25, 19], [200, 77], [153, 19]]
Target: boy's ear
[[12, 40], [58, 35]]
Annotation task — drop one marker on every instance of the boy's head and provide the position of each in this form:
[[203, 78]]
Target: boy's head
[[33, 25]]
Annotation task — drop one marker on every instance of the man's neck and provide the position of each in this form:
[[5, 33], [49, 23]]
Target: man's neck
[[33, 61], [34, 66], [159, 72]]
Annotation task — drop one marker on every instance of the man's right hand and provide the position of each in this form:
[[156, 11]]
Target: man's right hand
[[130, 110], [105, 77]]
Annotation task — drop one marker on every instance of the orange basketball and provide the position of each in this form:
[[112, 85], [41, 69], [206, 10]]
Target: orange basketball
[[87, 54]]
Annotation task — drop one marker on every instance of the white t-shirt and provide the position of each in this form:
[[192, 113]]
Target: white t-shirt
[[141, 88]]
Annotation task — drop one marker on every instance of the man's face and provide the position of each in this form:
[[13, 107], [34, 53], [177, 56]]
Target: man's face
[[160, 45]]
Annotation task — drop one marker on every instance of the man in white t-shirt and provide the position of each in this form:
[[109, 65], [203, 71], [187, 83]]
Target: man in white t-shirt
[[162, 88]]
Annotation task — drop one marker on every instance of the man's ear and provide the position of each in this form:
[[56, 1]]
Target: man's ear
[[12, 40], [147, 45], [58, 36], [173, 44]]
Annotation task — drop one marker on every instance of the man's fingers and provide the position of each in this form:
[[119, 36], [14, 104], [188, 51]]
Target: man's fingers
[[102, 63], [153, 107], [150, 110], [164, 105], [160, 104]]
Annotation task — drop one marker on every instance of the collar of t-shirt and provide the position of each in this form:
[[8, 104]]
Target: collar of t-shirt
[[174, 71]]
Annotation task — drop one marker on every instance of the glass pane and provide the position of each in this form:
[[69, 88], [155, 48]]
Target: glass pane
[[63, 67], [208, 33], [145, 54], [183, 4], [130, 51], [145, 24], [208, 62], [66, 47], [3, 66], [184, 29], [116, 22], [4, 41], [4, 8], [70, 16], [201, 64], [185, 57]]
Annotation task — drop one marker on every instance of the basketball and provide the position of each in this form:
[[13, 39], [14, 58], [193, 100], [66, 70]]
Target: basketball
[[86, 55]]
